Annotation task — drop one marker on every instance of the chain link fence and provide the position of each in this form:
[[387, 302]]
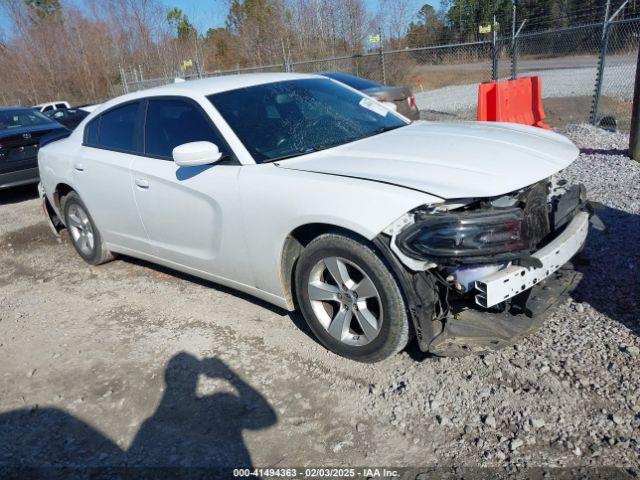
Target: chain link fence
[[618, 75], [587, 72]]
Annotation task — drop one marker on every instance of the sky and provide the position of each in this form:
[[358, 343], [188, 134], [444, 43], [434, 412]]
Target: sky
[[205, 14]]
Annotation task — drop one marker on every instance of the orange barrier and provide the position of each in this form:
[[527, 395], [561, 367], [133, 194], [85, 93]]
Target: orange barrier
[[516, 101]]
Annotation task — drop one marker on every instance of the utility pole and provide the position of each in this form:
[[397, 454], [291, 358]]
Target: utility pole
[[634, 142]]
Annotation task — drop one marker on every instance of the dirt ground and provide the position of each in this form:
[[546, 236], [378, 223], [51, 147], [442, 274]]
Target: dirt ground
[[131, 364]]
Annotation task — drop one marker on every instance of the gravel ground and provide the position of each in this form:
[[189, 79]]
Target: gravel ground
[[571, 82], [128, 362]]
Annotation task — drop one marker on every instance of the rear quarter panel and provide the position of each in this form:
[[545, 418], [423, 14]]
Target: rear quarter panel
[[55, 163]]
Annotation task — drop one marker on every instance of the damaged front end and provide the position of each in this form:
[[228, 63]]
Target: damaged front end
[[481, 273]]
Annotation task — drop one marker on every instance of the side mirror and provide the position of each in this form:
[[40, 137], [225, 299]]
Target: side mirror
[[193, 154]]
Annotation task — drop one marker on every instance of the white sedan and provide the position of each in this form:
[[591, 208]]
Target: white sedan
[[307, 194]]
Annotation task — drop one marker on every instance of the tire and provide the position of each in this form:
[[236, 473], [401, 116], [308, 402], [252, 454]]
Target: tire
[[352, 320], [83, 233]]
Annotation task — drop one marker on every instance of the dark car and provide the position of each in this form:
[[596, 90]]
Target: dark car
[[69, 117], [401, 96], [21, 131]]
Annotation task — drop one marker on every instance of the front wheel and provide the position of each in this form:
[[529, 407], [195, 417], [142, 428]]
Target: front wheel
[[350, 299]]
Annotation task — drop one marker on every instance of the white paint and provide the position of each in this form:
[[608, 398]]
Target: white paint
[[194, 154], [229, 222]]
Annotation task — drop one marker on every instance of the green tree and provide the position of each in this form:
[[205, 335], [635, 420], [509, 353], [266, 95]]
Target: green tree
[[180, 23], [426, 28], [43, 9]]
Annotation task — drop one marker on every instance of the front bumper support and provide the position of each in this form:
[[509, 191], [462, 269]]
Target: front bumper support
[[505, 284], [474, 331]]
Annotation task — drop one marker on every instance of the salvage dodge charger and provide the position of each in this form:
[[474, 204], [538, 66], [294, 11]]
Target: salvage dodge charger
[[310, 195]]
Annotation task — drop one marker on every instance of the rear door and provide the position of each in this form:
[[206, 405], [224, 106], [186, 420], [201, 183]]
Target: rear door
[[188, 212], [101, 174]]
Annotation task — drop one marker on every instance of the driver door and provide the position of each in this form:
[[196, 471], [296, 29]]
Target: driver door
[[190, 214]]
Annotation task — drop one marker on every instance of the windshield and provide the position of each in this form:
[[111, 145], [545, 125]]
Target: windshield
[[21, 118], [285, 119]]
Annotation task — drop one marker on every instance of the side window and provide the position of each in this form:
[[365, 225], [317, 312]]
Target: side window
[[60, 105], [117, 128], [91, 132], [47, 108], [173, 122]]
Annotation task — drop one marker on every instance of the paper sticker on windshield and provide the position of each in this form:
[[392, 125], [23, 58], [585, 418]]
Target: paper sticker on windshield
[[374, 106]]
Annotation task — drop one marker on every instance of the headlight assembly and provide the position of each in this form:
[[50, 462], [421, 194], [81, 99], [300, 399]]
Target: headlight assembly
[[457, 236]]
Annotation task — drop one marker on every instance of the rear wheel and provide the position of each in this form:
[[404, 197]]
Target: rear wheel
[[350, 299], [83, 232]]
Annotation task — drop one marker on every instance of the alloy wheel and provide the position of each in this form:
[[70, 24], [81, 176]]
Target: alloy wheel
[[80, 229], [345, 301]]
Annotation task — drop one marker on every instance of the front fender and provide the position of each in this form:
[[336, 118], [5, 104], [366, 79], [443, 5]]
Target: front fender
[[276, 201]]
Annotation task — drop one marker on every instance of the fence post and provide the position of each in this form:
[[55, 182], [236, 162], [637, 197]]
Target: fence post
[[634, 141], [606, 30], [514, 51], [494, 43], [384, 73], [514, 58], [123, 79], [595, 111]]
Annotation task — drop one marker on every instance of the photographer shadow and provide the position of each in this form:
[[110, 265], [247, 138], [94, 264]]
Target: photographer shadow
[[186, 432]]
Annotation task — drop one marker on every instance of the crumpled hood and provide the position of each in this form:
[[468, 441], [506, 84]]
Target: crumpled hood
[[455, 160]]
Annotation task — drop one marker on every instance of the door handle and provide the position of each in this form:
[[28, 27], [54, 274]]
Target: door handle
[[79, 167], [142, 183]]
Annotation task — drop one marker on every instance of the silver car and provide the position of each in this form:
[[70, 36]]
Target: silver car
[[401, 97]]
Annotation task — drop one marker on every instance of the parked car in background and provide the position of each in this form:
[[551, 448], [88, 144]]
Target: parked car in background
[[88, 107], [401, 97], [69, 117], [21, 130], [46, 107], [308, 194]]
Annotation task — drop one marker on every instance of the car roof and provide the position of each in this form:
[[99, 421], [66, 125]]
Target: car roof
[[17, 107], [209, 86], [50, 103]]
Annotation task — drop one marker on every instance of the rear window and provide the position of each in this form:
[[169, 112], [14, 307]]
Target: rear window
[[20, 118], [91, 132], [115, 129]]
